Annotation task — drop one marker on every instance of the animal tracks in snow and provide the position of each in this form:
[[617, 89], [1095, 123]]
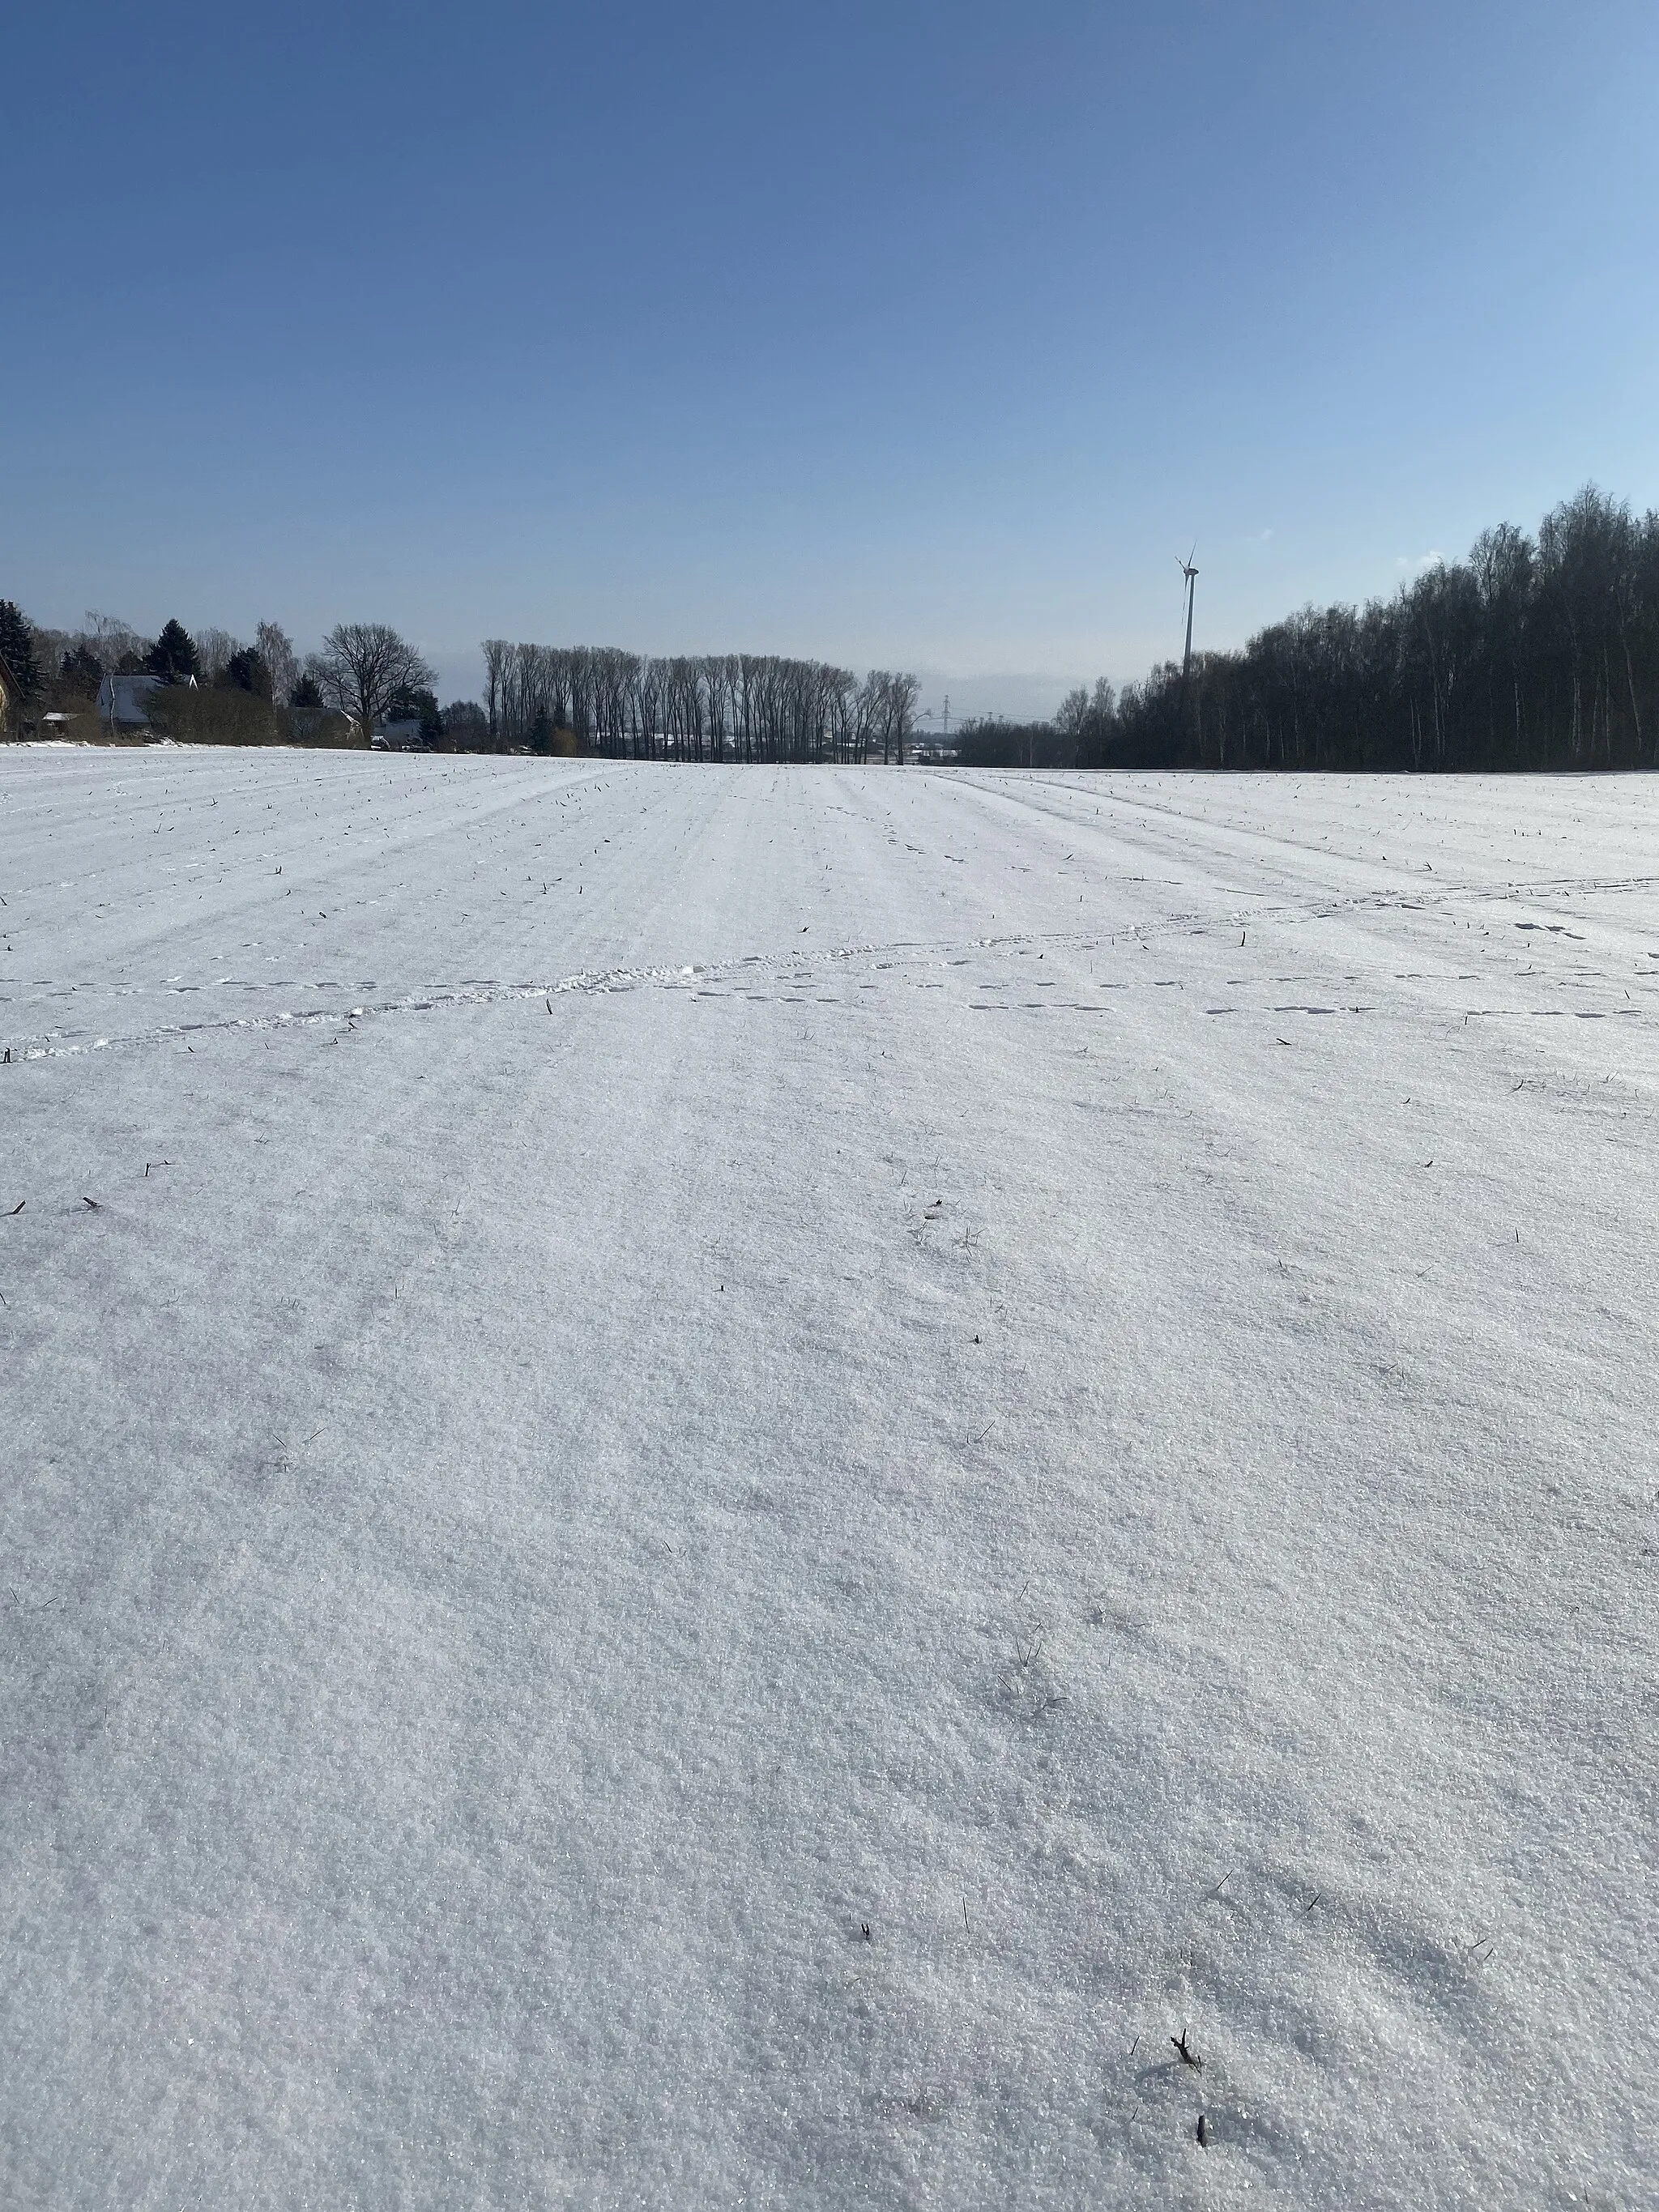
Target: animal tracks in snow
[[724, 979], [761, 979]]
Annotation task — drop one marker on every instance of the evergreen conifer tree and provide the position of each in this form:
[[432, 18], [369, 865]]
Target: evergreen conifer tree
[[245, 671], [412, 702], [173, 656], [17, 648], [82, 670]]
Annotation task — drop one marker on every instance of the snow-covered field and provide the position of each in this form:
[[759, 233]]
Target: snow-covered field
[[720, 1485]]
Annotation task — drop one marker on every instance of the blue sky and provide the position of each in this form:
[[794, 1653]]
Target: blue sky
[[900, 334]]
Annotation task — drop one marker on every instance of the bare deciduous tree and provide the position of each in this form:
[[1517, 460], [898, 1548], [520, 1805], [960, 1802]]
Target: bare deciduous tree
[[1072, 712], [276, 650], [214, 648], [117, 645], [361, 665], [498, 661], [904, 692], [714, 706]]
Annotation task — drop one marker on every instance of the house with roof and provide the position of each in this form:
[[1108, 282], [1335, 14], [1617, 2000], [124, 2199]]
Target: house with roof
[[121, 699]]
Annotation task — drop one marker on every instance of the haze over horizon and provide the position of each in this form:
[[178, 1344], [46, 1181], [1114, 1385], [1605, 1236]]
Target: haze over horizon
[[899, 336]]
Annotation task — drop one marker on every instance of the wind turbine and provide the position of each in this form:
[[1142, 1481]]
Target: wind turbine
[[1190, 574]]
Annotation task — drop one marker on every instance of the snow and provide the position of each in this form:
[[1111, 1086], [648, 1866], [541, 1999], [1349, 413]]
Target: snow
[[669, 1366]]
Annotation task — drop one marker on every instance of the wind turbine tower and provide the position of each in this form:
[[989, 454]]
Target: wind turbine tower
[[1191, 575]]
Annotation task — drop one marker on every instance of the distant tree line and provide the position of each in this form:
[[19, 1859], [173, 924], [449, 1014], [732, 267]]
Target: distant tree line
[[1534, 652], [994, 741], [718, 707], [212, 687], [1539, 653]]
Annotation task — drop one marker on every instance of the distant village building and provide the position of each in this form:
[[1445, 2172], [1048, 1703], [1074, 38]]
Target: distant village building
[[121, 698], [121, 701]]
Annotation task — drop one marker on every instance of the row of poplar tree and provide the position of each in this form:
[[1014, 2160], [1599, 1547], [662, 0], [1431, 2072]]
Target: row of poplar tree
[[701, 707]]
